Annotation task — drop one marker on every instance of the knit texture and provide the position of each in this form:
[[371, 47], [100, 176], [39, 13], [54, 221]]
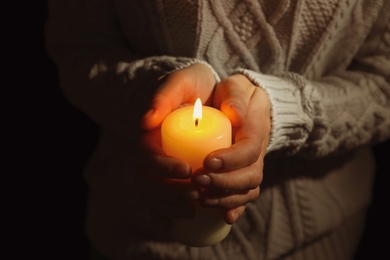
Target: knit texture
[[325, 65]]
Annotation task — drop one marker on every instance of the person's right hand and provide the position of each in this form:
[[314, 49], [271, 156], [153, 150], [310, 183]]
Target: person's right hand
[[165, 183]]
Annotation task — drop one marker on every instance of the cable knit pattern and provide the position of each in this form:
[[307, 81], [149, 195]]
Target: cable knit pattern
[[312, 23], [325, 65]]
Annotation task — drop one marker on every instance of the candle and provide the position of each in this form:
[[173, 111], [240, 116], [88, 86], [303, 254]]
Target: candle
[[190, 134]]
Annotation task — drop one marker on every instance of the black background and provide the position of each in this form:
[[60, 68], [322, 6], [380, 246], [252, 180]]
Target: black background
[[45, 142]]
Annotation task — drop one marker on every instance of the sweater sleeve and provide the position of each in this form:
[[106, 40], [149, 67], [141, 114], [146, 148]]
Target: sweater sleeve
[[99, 71], [337, 112]]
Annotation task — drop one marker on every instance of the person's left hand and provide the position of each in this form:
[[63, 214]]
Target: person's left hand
[[231, 177]]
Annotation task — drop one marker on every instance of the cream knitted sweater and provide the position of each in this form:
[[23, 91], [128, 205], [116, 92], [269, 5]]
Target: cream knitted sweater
[[325, 65]]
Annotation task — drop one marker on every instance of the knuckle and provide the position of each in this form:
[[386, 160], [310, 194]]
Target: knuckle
[[256, 193], [255, 180], [229, 202], [229, 81], [227, 184]]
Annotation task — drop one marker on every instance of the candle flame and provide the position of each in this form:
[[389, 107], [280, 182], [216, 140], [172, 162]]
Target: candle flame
[[197, 111]]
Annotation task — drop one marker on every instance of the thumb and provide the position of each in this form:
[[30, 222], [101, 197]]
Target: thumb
[[167, 98], [233, 96], [235, 109], [178, 89]]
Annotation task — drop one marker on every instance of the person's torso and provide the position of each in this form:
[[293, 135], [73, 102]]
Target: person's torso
[[307, 37]]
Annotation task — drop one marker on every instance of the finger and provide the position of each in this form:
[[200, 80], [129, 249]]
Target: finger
[[230, 200], [244, 152], [165, 190], [225, 182], [157, 160], [232, 215]]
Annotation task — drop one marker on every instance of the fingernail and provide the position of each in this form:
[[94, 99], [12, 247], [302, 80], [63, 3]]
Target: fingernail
[[182, 171], [149, 113], [202, 181], [214, 164], [235, 215]]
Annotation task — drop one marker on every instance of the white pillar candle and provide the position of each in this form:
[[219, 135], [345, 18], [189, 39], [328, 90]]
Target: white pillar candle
[[190, 134]]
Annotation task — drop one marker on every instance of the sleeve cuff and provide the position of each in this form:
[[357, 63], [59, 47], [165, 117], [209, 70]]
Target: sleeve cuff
[[290, 124], [195, 61]]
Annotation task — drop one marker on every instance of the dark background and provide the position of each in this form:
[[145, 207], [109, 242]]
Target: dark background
[[45, 142]]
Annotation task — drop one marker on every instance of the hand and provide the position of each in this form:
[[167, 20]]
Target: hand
[[166, 180], [231, 176], [178, 89]]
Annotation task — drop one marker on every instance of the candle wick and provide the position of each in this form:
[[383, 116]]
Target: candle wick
[[196, 122]]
